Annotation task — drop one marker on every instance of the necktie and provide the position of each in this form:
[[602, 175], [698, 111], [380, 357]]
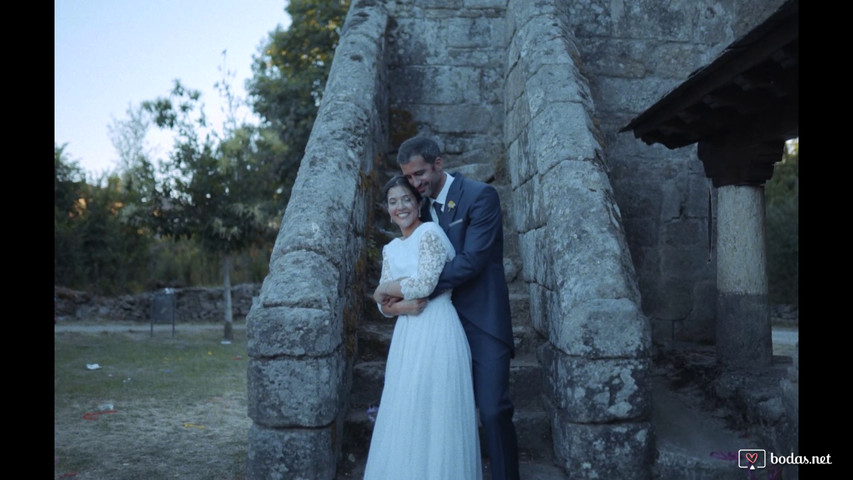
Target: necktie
[[436, 211]]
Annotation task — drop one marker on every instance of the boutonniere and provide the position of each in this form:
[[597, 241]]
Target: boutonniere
[[451, 204]]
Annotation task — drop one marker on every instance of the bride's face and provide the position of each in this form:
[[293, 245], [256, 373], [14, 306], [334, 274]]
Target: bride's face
[[403, 208]]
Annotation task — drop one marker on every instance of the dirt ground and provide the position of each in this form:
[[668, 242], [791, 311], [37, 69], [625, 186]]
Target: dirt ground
[[201, 441], [152, 439], [139, 447]]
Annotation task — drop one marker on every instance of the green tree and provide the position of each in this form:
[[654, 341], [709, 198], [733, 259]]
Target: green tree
[[68, 182], [290, 74], [782, 193], [93, 249], [136, 170], [218, 191], [129, 139]]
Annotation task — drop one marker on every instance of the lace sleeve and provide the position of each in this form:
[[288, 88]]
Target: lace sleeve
[[386, 267], [385, 276], [432, 256]]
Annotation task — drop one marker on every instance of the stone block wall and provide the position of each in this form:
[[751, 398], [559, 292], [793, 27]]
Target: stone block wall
[[633, 53], [584, 296], [610, 235], [192, 305], [301, 331], [445, 77]]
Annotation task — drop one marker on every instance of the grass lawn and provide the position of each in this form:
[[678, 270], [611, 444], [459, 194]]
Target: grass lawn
[[129, 406]]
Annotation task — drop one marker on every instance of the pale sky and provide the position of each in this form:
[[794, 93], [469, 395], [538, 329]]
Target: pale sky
[[110, 55]]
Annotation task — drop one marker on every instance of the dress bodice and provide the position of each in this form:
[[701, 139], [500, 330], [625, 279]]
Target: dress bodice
[[420, 257]]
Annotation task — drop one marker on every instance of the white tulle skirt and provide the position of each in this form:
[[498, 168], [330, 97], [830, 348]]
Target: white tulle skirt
[[426, 425]]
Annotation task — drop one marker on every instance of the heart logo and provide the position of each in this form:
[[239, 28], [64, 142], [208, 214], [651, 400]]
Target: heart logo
[[751, 457]]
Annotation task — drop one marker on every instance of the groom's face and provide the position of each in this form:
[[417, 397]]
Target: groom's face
[[425, 177]]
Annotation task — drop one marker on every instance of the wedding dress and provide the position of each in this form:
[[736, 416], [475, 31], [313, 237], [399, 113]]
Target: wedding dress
[[426, 425]]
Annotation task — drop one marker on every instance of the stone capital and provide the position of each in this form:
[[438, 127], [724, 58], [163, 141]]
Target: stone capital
[[739, 164]]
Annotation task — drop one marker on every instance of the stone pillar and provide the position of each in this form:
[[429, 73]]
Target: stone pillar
[[743, 320], [739, 171], [301, 332]]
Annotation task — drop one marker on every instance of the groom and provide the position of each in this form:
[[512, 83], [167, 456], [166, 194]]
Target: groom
[[470, 213]]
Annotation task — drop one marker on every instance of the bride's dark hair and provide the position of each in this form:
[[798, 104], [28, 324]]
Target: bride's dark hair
[[403, 182]]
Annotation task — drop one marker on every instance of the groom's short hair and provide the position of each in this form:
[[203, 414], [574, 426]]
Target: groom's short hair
[[418, 146]]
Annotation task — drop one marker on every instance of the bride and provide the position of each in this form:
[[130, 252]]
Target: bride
[[426, 426]]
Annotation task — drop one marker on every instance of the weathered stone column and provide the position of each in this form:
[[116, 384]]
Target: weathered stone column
[[743, 320], [584, 297], [739, 171], [301, 331]]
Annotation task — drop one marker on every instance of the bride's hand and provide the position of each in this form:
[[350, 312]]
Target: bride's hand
[[412, 307], [380, 297], [388, 290]]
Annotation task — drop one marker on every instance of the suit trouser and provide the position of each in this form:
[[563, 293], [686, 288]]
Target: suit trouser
[[490, 358]]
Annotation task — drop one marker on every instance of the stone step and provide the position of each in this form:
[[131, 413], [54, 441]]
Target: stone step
[[526, 340], [525, 384], [532, 427], [352, 468], [367, 381], [678, 414], [374, 338], [526, 389]]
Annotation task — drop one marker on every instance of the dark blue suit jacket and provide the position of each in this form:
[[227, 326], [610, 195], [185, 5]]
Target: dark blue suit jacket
[[472, 221]]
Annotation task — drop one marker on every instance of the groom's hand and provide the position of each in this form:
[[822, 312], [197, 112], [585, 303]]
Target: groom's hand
[[407, 307], [387, 300], [383, 298]]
